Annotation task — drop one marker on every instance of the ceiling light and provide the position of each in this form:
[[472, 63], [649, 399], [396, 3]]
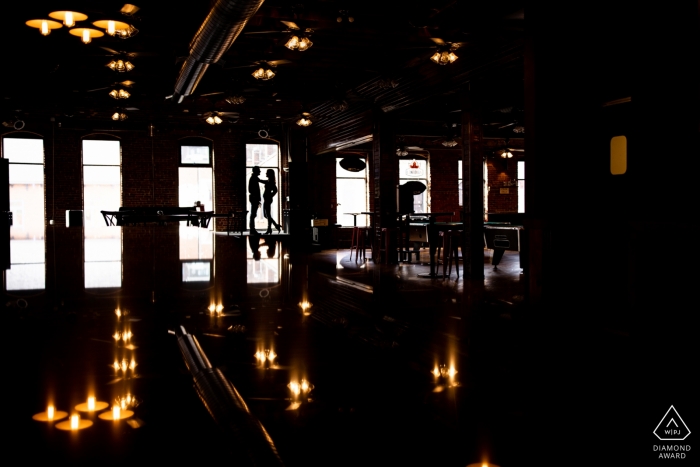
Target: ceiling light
[[43, 25], [127, 32], [263, 73], [304, 44], [298, 43], [506, 154], [111, 27], [86, 34], [213, 119], [305, 119], [119, 94], [444, 57], [235, 100], [129, 9], [450, 143], [119, 116], [120, 65], [292, 43], [68, 17]]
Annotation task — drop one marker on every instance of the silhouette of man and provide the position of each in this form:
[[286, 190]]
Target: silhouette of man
[[254, 197]]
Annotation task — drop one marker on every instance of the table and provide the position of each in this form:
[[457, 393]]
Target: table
[[433, 232], [128, 217], [354, 217], [501, 237]]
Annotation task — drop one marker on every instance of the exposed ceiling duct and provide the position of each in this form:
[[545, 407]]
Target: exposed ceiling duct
[[219, 30]]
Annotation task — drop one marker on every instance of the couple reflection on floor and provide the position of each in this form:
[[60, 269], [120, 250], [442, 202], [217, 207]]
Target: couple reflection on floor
[[259, 244]]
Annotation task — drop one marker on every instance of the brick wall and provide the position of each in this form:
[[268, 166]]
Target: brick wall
[[499, 175]]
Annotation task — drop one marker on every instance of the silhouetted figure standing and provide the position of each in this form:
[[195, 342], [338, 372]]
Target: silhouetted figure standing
[[254, 197], [270, 192]]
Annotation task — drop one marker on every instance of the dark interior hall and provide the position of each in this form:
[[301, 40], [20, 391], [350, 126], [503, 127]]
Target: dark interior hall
[[565, 132]]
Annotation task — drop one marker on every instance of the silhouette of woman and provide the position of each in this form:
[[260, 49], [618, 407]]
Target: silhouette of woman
[[268, 194]]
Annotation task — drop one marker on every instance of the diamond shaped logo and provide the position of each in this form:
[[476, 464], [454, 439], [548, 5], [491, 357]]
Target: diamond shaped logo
[[671, 427]]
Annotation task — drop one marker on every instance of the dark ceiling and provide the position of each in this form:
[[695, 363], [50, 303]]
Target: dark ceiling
[[380, 60]]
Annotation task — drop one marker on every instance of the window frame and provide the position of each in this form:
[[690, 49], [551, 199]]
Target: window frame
[[426, 179], [195, 141], [362, 221], [110, 138], [28, 136]]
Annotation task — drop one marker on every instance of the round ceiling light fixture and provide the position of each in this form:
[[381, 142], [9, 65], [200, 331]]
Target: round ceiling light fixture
[[44, 25], [264, 73], [120, 66], [86, 34], [68, 17], [111, 27]]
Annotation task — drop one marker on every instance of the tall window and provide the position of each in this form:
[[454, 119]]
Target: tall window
[[101, 192], [351, 194], [415, 170], [521, 186], [27, 247], [196, 185], [263, 255], [265, 156]]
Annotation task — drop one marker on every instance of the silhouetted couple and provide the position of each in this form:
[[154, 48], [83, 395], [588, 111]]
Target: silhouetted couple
[[267, 196]]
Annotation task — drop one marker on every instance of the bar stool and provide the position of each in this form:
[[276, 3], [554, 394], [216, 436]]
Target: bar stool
[[451, 240], [357, 243]]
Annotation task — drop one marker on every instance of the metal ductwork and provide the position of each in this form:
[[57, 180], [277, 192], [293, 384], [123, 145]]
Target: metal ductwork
[[219, 30], [251, 445]]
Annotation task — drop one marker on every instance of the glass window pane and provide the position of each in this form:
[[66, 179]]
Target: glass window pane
[[351, 197], [260, 221], [27, 250], [262, 155], [196, 185], [101, 192], [25, 277], [26, 151], [101, 153], [27, 245], [194, 155], [103, 274]]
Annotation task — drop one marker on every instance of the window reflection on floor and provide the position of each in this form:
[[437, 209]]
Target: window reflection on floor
[[196, 253], [263, 260]]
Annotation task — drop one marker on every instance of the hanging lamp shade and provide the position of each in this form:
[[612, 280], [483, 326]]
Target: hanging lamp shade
[[111, 27], [44, 25], [86, 34], [415, 187], [68, 18], [353, 164]]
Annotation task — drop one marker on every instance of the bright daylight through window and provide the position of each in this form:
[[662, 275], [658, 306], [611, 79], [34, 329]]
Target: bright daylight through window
[[102, 192], [263, 253], [196, 185], [351, 193], [27, 247]]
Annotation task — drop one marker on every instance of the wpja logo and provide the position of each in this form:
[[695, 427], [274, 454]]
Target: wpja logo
[[672, 428]]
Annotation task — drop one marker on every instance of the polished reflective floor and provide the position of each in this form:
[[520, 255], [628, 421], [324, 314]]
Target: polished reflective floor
[[344, 362]]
